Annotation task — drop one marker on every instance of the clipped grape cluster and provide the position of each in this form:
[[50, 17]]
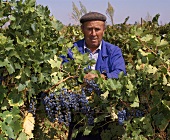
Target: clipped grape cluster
[[59, 106], [125, 114]]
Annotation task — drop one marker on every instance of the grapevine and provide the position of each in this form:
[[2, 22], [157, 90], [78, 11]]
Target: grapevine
[[40, 97]]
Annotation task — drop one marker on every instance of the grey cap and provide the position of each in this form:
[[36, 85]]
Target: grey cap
[[91, 16]]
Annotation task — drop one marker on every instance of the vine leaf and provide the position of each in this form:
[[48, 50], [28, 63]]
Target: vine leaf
[[22, 136], [136, 102], [21, 87], [87, 130], [55, 63], [28, 124], [105, 95]]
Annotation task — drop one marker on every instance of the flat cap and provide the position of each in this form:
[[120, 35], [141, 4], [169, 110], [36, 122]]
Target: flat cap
[[91, 16]]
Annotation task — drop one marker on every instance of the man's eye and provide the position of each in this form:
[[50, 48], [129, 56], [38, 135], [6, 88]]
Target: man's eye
[[89, 29], [97, 29]]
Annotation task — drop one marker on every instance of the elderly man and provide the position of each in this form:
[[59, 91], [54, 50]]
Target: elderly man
[[108, 57]]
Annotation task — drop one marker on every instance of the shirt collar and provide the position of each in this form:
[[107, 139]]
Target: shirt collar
[[99, 48]]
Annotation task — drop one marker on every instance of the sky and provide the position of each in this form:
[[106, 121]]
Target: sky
[[135, 9]]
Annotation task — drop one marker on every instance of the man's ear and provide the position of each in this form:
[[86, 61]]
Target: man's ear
[[82, 28]]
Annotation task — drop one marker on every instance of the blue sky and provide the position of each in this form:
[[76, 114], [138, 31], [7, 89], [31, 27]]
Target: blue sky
[[135, 9]]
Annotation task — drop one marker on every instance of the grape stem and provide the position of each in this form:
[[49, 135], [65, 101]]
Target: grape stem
[[125, 103], [143, 44], [48, 90]]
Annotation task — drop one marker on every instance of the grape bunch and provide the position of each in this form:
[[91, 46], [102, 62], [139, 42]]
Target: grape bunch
[[121, 116], [60, 105], [91, 86], [135, 113], [32, 106], [126, 114]]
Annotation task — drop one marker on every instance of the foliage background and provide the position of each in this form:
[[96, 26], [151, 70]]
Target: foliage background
[[29, 64]]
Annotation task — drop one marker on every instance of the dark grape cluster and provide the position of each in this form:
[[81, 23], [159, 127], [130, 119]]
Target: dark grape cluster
[[91, 86], [126, 114], [32, 106], [60, 105], [135, 113], [121, 116]]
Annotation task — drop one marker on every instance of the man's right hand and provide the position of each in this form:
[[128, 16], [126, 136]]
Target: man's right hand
[[91, 76]]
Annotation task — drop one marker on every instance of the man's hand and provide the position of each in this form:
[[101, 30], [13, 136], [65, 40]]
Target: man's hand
[[103, 76], [91, 76]]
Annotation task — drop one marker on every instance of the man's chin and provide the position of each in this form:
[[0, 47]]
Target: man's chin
[[94, 44]]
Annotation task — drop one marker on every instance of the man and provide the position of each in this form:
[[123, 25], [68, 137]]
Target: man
[[108, 57]]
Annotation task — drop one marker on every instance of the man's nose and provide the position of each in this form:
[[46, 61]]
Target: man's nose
[[93, 32]]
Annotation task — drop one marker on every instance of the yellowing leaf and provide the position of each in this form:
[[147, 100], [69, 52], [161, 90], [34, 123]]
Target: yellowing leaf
[[18, 77], [165, 81], [114, 116], [105, 95], [163, 43], [143, 53], [151, 69], [136, 102], [28, 124]]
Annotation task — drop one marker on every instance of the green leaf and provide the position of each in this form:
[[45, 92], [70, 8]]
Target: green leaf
[[147, 38], [164, 124], [27, 71], [15, 98], [55, 63], [130, 86], [2, 137], [166, 103], [87, 130], [81, 77], [33, 26], [3, 92], [21, 87], [8, 65], [12, 18], [7, 130], [22, 136], [41, 78]]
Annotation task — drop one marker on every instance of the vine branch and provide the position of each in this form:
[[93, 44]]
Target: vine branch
[[48, 90]]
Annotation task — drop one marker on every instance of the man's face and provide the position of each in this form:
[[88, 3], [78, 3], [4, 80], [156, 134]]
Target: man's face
[[93, 33]]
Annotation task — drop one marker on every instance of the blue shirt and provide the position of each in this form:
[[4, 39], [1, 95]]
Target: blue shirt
[[110, 59]]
